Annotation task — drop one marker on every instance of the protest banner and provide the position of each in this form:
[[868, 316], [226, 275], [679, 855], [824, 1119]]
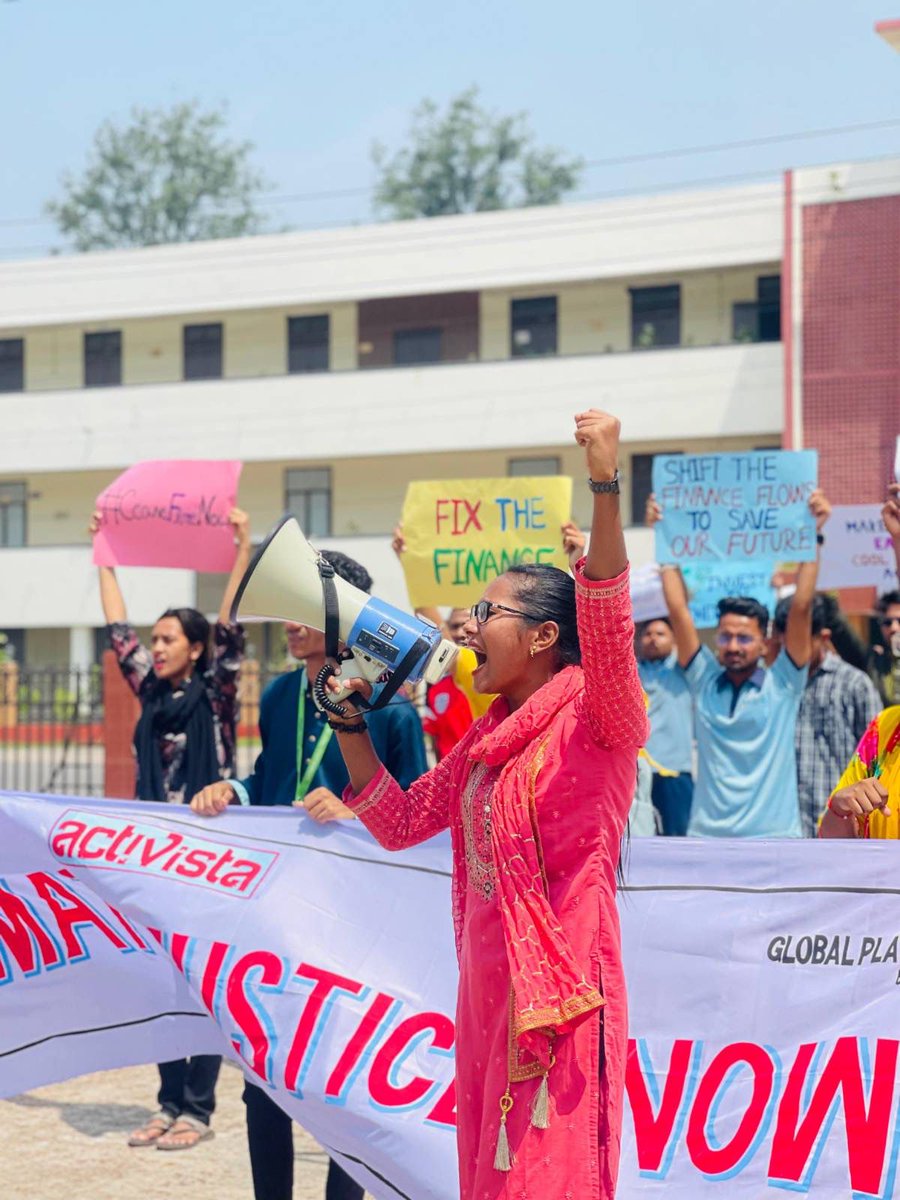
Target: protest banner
[[462, 533], [169, 513], [325, 966], [858, 550], [706, 585], [735, 507]]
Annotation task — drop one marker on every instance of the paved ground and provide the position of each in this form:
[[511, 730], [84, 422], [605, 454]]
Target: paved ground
[[67, 1142]]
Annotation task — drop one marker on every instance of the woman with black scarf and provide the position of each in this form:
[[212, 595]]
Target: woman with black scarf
[[184, 739]]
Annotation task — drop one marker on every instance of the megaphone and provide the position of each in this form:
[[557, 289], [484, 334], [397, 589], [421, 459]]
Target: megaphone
[[288, 580]]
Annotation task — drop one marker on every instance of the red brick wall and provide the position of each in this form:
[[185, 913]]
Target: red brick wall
[[851, 344]]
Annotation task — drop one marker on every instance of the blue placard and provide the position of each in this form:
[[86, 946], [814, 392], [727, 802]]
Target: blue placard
[[708, 583], [737, 507]]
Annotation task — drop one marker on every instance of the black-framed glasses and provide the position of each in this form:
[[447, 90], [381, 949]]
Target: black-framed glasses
[[484, 610]]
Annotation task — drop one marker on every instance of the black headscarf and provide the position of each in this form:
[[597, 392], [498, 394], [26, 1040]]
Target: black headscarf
[[187, 711]]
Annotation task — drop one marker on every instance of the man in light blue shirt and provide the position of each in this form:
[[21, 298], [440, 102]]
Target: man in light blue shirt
[[670, 745], [744, 715]]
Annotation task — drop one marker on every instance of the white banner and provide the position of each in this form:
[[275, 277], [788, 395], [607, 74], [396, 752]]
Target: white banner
[[764, 988]]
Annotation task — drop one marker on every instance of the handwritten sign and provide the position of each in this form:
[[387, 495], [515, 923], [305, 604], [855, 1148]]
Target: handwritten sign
[[736, 507], [707, 584], [462, 533], [858, 550], [171, 513]]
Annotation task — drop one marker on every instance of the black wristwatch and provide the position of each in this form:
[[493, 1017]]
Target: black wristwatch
[[820, 539], [605, 487]]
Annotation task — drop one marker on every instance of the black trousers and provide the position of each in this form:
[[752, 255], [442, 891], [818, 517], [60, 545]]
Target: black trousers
[[271, 1142], [188, 1085]]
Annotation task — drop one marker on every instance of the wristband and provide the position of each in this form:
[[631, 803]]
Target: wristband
[[840, 816], [820, 539], [340, 727], [605, 487]]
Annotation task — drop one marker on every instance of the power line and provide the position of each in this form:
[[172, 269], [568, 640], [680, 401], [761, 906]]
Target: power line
[[590, 164]]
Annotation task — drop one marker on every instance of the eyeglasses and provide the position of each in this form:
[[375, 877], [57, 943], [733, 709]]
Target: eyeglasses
[[484, 610], [887, 622], [742, 639]]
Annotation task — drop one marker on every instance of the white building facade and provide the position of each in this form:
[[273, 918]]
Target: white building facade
[[339, 366]]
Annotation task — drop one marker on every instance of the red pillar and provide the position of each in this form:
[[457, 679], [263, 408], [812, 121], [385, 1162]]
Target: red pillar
[[120, 713]]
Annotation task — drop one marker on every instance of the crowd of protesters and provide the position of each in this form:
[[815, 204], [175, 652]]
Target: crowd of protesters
[[787, 725]]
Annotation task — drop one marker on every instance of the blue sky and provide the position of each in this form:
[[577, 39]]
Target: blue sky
[[313, 85]]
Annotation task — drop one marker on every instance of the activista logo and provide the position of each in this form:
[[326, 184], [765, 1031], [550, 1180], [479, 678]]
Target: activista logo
[[87, 839]]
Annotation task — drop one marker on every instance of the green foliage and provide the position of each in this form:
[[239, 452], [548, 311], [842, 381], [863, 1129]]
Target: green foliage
[[469, 160], [168, 175]]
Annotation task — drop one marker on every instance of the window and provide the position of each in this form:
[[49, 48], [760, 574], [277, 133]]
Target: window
[[12, 646], [103, 359], [414, 346], [533, 466], [655, 317], [13, 500], [12, 364], [745, 321], [307, 496], [308, 341], [203, 351], [768, 303], [642, 483], [532, 327]]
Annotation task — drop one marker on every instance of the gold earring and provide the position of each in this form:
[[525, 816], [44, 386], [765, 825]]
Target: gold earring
[[531, 651]]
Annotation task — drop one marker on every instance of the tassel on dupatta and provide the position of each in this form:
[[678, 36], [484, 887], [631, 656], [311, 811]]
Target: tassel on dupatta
[[540, 1105], [502, 1157]]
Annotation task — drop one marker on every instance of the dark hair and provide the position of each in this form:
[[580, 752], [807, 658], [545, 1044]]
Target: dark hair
[[822, 611], [745, 606], [883, 603], [195, 628], [550, 594], [349, 569]]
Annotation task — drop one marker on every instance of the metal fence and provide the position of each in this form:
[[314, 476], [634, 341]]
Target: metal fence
[[52, 727], [51, 730]]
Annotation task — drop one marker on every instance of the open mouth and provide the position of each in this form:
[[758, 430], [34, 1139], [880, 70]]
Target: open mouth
[[480, 657]]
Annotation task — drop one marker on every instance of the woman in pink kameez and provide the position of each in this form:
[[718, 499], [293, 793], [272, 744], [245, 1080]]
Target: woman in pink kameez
[[536, 797]]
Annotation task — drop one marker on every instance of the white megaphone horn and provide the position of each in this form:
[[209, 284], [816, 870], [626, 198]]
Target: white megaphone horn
[[288, 580]]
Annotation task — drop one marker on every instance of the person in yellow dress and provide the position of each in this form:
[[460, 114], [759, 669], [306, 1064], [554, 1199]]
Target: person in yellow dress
[[866, 801]]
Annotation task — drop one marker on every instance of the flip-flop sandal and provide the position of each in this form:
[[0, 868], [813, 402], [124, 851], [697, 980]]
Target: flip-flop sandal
[[152, 1130], [184, 1134]]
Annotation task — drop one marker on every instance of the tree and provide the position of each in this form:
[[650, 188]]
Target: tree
[[168, 175], [469, 160]]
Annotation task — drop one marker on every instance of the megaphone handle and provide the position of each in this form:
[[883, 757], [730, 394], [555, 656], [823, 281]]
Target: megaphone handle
[[320, 694]]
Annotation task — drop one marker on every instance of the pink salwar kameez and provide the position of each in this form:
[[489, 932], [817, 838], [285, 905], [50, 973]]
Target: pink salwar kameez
[[537, 802]]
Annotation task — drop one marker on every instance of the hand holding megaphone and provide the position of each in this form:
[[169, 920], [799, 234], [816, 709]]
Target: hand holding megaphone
[[288, 580]]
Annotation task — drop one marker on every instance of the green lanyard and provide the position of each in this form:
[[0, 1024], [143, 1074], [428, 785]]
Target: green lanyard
[[315, 759]]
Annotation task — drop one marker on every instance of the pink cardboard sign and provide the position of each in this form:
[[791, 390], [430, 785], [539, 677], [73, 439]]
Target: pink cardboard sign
[[171, 513]]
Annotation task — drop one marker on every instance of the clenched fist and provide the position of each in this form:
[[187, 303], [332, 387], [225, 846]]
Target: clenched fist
[[598, 432]]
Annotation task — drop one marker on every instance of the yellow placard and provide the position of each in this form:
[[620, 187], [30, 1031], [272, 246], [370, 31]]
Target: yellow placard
[[462, 533]]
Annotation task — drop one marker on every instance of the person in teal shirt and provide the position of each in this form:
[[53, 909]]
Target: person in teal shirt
[[670, 709], [300, 764]]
